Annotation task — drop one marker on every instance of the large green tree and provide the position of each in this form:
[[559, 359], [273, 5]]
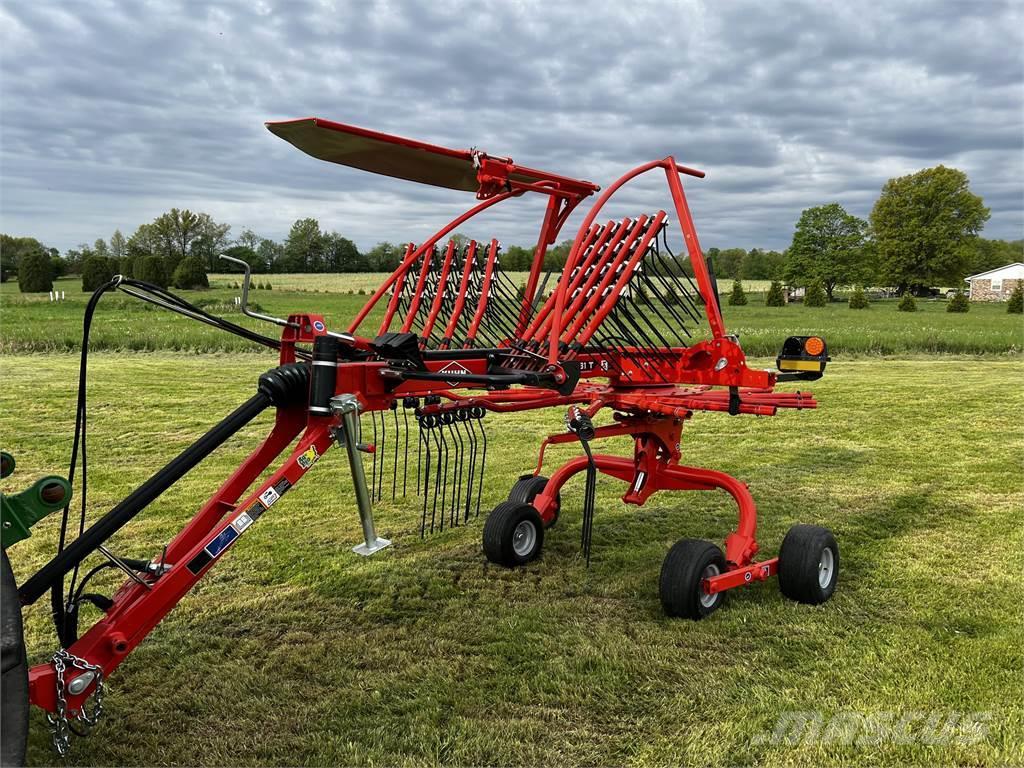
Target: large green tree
[[763, 265], [341, 254], [990, 254], [924, 227], [384, 257], [829, 247], [118, 245], [304, 248], [182, 233], [13, 249], [729, 263], [35, 272]]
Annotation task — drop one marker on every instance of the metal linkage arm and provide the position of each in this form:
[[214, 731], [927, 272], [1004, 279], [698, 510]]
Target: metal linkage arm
[[277, 387]]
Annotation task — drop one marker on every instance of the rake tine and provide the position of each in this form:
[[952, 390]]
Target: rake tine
[[457, 508], [442, 476], [405, 464], [424, 440], [394, 466], [437, 481], [446, 430], [690, 307], [419, 451], [471, 433], [674, 274], [479, 416], [659, 296]]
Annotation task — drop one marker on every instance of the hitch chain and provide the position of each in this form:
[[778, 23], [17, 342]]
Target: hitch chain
[[60, 726]]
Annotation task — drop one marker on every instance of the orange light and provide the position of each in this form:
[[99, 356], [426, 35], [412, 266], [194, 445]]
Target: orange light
[[814, 346]]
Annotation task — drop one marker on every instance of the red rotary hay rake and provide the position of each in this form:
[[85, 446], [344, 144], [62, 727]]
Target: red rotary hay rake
[[622, 329]]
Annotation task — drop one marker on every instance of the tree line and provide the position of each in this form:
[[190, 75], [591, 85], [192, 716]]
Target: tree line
[[922, 231]]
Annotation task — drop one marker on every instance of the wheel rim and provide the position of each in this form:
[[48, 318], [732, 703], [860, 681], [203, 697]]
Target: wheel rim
[[826, 567], [708, 600], [523, 538]]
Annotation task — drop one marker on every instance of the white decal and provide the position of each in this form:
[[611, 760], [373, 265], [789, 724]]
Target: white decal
[[241, 522]]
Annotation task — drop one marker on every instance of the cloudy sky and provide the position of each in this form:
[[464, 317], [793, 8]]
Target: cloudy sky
[[112, 113]]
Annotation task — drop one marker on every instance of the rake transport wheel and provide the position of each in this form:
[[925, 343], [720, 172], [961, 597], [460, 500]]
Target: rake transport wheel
[[808, 564], [513, 534], [14, 715], [527, 489], [686, 565]]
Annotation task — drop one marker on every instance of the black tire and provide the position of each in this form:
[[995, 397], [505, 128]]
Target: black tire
[[685, 567], [528, 487], [14, 713], [513, 534], [806, 573]]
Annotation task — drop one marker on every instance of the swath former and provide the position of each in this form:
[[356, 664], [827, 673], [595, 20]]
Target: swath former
[[628, 330]]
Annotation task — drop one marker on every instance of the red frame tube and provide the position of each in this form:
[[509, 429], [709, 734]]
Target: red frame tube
[[485, 292], [396, 295], [442, 287]]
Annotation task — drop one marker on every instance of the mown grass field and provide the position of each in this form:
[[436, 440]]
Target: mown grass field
[[295, 651], [31, 323]]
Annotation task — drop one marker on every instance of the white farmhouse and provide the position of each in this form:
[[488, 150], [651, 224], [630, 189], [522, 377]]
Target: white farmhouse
[[996, 284]]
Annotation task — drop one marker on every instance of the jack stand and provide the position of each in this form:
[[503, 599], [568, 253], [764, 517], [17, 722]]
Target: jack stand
[[347, 406]]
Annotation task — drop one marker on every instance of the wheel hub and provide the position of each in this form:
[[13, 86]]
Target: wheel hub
[[707, 599], [826, 566], [523, 538]]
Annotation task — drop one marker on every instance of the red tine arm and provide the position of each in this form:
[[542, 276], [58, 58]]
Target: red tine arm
[[537, 324], [397, 295], [460, 301], [439, 295], [607, 305], [417, 297], [485, 290]]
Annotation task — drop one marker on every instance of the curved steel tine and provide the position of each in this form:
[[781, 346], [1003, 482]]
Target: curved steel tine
[[483, 466], [394, 467], [471, 435], [457, 475], [405, 463]]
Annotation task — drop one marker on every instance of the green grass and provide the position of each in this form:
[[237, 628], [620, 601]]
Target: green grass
[[33, 324], [295, 651]]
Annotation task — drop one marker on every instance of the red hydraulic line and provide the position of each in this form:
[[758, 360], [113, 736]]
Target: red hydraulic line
[[441, 290], [485, 290], [425, 247], [460, 300], [417, 296], [397, 295], [700, 267]]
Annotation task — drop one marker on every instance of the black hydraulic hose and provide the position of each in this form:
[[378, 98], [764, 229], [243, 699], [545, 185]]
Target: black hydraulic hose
[[78, 444], [281, 387], [141, 497]]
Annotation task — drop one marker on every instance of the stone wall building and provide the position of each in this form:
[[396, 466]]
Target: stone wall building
[[995, 284]]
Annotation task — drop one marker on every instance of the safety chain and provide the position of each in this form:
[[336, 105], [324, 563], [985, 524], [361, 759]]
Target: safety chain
[[60, 726]]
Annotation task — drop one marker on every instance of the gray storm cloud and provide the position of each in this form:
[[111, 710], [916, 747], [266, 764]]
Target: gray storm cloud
[[111, 113]]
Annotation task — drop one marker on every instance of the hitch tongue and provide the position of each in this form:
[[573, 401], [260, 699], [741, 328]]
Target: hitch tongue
[[347, 407]]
